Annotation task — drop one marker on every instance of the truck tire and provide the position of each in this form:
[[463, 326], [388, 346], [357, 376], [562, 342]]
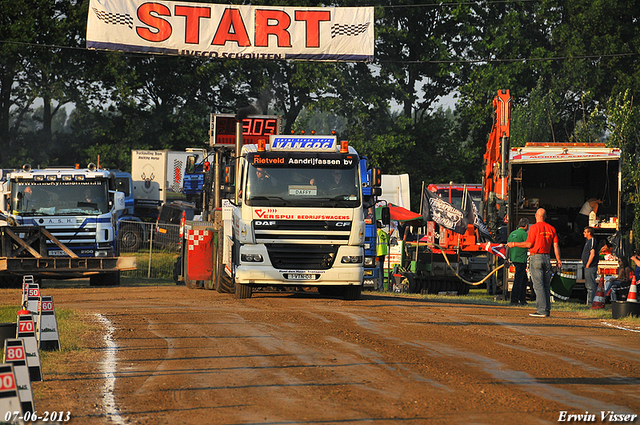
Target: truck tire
[[223, 282], [131, 239], [243, 291], [352, 292]]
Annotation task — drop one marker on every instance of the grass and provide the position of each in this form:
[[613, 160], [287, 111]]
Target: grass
[[73, 331], [162, 263]]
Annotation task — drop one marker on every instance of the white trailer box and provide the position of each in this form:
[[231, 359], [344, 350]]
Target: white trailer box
[[158, 175], [395, 190]]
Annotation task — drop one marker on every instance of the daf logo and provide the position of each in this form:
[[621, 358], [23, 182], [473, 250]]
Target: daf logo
[[265, 223], [343, 224]]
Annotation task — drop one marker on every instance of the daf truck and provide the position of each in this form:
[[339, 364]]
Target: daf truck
[[296, 217]]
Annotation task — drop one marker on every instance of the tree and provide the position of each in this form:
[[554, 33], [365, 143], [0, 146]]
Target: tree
[[624, 128]]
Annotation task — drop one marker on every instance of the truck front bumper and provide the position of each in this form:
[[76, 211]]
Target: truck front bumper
[[264, 274]]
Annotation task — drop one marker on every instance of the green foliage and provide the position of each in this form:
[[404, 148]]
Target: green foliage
[[623, 118]]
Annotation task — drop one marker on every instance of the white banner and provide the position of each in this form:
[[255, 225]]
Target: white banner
[[232, 31]]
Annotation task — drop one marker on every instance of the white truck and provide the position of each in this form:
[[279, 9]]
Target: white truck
[[297, 220], [78, 208]]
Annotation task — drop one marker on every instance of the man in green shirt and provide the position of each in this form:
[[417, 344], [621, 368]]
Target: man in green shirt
[[518, 257]]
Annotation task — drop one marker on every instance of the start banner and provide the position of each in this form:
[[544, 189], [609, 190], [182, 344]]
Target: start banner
[[232, 31]]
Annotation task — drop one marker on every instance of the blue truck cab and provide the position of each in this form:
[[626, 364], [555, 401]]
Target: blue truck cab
[[371, 270]]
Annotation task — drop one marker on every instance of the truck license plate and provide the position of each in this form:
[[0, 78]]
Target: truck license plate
[[302, 277]]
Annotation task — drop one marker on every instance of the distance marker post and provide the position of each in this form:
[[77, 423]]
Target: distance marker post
[[26, 281], [48, 336], [9, 400], [33, 296], [14, 354], [27, 331]]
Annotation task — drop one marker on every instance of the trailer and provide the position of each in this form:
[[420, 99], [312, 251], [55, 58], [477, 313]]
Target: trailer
[[23, 251]]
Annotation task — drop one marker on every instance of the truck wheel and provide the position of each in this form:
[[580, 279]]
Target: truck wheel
[[243, 291], [130, 238], [223, 282], [352, 292], [413, 284]]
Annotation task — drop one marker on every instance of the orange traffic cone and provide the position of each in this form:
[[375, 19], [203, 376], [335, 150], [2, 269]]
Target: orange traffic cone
[[633, 291], [598, 300]]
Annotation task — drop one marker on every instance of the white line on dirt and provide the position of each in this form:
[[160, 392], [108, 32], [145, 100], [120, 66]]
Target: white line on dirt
[[621, 327], [109, 373]]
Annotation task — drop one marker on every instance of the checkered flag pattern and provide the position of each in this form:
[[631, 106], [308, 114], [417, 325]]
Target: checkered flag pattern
[[114, 18], [348, 30], [177, 176], [194, 238]]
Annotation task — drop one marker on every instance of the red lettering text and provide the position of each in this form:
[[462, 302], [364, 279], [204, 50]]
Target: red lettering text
[[161, 28], [231, 28], [192, 24], [313, 25], [265, 26]]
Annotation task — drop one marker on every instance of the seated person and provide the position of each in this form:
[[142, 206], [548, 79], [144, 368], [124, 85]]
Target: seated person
[[622, 281], [262, 181]]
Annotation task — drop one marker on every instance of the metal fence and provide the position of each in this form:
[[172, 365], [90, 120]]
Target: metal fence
[[156, 253]]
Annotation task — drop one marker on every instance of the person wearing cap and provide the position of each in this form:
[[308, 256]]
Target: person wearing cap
[[518, 257], [382, 249], [542, 236]]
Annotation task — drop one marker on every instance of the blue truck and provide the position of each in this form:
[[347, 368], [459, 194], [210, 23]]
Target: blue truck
[[369, 193]]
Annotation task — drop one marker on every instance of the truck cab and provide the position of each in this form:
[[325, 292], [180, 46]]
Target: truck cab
[[75, 205], [299, 219]]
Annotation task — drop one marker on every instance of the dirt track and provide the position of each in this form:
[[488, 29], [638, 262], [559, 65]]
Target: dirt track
[[198, 357]]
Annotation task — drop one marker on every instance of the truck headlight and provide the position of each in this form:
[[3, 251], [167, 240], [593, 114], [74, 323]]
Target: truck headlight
[[369, 261], [353, 259], [251, 258]]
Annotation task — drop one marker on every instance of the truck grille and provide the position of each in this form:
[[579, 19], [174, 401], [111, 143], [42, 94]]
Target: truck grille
[[317, 230], [298, 257]]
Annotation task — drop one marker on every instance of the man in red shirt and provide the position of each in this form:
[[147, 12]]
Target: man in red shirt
[[540, 238]]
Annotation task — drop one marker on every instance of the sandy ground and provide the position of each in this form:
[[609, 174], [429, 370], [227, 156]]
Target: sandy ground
[[171, 355]]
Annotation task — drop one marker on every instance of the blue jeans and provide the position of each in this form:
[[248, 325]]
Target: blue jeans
[[540, 269], [590, 282]]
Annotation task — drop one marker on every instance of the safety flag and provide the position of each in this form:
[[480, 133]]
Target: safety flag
[[496, 249], [440, 211]]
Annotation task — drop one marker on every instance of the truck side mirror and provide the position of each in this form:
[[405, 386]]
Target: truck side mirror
[[385, 216], [191, 164], [376, 191], [376, 177], [118, 201]]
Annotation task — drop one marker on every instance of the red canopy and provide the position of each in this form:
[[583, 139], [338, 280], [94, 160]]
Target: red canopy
[[404, 215]]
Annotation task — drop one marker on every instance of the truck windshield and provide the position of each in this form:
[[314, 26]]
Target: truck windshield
[[328, 187], [59, 198]]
